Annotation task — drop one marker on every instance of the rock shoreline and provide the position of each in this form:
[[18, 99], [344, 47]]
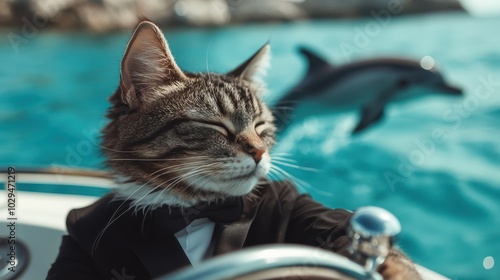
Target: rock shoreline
[[104, 15]]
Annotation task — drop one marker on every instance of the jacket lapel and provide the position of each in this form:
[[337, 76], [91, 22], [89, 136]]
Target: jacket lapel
[[231, 237], [160, 254]]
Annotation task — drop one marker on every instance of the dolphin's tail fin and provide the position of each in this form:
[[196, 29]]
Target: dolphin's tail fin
[[316, 63]]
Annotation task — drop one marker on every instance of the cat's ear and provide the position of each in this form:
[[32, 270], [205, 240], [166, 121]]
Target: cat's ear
[[147, 63], [256, 65]]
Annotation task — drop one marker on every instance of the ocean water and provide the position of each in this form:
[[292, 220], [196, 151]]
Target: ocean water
[[433, 161]]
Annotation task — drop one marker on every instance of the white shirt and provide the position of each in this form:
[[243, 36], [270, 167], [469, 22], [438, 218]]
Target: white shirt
[[195, 239]]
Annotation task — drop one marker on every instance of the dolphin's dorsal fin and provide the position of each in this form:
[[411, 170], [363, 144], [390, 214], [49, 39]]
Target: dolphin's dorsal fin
[[316, 63]]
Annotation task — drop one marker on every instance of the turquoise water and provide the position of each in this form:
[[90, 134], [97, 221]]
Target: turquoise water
[[53, 93]]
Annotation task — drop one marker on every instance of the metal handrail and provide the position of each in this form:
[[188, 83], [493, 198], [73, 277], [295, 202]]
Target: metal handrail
[[261, 258]]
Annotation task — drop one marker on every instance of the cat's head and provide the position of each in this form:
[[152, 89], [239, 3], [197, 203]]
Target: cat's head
[[192, 136]]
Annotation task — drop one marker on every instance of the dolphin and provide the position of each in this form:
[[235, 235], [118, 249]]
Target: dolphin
[[367, 84]]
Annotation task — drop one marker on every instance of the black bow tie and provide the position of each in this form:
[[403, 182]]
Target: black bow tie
[[174, 219]]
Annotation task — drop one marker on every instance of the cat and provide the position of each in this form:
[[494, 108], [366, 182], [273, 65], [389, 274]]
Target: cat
[[180, 140]]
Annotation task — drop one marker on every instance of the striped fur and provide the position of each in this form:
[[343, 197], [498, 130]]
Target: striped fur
[[180, 138]]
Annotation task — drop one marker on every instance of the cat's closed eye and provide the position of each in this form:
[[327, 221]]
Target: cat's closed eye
[[260, 123], [260, 127], [219, 127]]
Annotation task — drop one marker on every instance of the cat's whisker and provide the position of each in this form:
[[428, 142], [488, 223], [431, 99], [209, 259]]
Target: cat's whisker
[[109, 149], [193, 184], [163, 189], [197, 189], [281, 154], [281, 177], [274, 158], [175, 180], [142, 159], [298, 181], [181, 176], [172, 167], [179, 179], [153, 159], [136, 202], [271, 176], [286, 175], [184, 166], [203, 169], [295, 166]]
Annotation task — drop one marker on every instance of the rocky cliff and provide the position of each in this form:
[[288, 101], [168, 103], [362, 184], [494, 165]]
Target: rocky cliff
[[103, 15]]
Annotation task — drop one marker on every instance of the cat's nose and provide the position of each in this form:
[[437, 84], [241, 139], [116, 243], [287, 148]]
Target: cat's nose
[[256, 153]]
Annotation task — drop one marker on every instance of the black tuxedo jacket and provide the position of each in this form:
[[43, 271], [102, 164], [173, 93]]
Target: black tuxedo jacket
[[277, 214]]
